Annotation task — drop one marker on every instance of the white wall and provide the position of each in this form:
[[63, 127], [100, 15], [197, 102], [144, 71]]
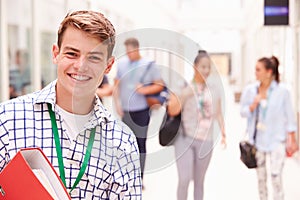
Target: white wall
[[281, 41]]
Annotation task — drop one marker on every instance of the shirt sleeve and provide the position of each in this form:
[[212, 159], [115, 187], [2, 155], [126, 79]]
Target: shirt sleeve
[[245, 102], [154, 72], [289, 112]]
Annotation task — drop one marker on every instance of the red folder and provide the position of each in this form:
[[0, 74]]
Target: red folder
[[30, 176]]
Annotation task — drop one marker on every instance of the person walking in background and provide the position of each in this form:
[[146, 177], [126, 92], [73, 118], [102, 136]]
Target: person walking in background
[[199, 104], [83, 54], [104, 89], [268, 107], [19, 74], [130, 91]]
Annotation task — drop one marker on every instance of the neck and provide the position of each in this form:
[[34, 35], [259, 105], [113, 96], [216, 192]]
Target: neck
[[136, 57], [75, 104], [266, 83]]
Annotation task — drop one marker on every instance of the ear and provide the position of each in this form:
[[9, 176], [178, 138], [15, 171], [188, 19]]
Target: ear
[[55, 53], [110, 63], [270, 73]]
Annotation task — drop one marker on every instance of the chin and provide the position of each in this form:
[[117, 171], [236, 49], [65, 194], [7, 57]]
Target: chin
[[84, 92]]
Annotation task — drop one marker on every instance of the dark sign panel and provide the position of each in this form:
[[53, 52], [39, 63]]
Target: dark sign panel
[[276, 12]]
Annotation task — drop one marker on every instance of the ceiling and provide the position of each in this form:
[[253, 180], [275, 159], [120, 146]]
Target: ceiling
[[181, 15]]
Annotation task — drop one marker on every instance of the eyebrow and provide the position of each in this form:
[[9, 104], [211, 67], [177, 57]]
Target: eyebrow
[[70, 48], [91, 52]]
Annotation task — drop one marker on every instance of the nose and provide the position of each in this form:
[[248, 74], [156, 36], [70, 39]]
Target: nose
[[81, 64]]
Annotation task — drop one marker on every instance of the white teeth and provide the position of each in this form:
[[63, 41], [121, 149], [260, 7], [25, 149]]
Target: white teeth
[[79, 77]]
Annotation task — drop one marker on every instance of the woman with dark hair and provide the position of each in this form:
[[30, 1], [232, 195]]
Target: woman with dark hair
[[200, 105], [267, 106]]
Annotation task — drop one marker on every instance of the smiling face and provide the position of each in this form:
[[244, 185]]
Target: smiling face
[[81, 64]]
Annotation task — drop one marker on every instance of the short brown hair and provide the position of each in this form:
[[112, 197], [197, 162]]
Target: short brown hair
[[91, 22], [132, 42]]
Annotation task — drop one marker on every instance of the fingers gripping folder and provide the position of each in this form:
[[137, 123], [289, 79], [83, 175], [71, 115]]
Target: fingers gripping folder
[[30, 176]]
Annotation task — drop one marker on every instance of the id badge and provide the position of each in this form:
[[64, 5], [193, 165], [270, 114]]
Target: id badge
[[261, 126], [263, 103]]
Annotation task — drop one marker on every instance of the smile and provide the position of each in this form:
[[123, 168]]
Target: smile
[[79, 77]]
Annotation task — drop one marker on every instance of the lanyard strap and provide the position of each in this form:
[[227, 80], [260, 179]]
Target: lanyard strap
[[201, 97], [256, 120], [59, 151], [146, 71]]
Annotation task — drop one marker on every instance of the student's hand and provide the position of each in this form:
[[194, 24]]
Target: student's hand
[[173, 105], [255, 103], [140, 89], [223, 139], [291, 144], [223, 142], [257, 99]]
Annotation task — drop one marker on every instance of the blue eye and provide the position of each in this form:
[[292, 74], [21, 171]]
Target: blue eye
[[95, 58]]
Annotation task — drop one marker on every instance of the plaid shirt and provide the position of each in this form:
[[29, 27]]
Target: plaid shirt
[[113, 171]]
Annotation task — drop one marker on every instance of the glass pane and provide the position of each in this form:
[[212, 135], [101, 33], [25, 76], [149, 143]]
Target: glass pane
[[48, 68], [19, 45], [19, 73], [19, 61], [48, 25]]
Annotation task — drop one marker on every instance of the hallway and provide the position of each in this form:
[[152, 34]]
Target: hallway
[[226, 179]]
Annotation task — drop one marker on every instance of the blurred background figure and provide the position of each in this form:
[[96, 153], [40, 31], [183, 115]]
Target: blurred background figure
[[200, 105], [268, 107], [129, 94], [105, 89], [19, 74]]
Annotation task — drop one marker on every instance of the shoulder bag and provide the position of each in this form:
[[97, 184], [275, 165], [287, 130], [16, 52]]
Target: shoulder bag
[[169, 129], [157, 98]]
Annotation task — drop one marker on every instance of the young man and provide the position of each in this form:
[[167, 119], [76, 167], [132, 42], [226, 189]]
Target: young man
[[83, 55], [130, 89]]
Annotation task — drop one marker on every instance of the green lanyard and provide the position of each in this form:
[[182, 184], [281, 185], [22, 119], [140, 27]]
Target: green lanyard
[[59, 151], [201, 96]]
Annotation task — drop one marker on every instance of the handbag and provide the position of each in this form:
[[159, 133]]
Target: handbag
[[248, 150], [169, 129], [158, 98]]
